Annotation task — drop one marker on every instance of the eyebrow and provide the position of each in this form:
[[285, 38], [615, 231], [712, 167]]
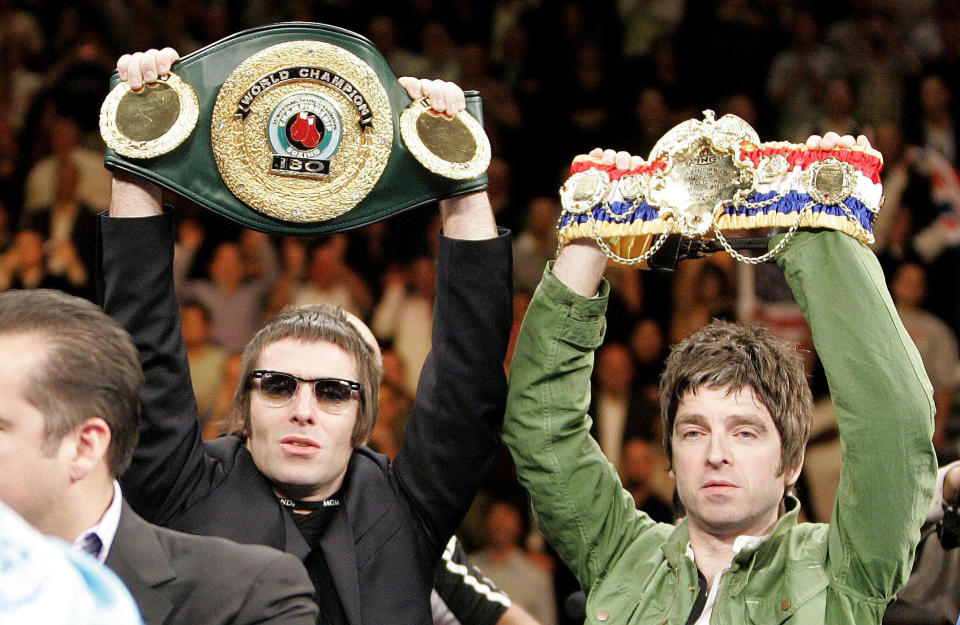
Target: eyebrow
[[733, 419]]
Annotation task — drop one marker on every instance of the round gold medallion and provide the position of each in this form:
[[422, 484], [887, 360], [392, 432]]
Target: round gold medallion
[[302, 131], [152, 122], [456, 148]]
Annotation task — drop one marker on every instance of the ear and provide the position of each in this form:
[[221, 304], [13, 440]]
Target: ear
[[790, 476], [92, 442]]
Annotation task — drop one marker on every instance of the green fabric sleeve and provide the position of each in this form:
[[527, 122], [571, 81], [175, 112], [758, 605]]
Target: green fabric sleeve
[[884, 408], [578, 501]]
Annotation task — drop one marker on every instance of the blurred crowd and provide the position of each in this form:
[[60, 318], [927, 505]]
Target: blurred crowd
[[558, 77]]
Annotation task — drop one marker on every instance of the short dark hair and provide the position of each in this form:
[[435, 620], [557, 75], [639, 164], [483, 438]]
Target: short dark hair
[[91, 368], [316, 323], [733, 356], [198, 305]]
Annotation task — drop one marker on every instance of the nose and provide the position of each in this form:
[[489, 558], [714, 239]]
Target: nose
[[717, 452], [303, 407]]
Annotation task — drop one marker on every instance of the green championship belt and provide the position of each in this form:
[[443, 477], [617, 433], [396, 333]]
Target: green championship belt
[[295, 129]]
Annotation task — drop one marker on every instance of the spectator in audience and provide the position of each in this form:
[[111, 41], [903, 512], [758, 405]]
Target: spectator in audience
[[440, 52], [935, 341], [703, 291], [206, 359], [220, 422], [836, 111], [877, 60], [618, 408], [641, 463], [536, 244], [67, 218], [62, 135], [32, 263], [504, 560], [936, 126], [382, 31], [19, 84], [648, 346], [236, 302], [500, 190], [502, 115], [394, 408], [404, 316], [651, 118], [798, 77], [328, 279]]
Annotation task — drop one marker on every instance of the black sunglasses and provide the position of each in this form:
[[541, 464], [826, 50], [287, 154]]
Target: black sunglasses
[[278, 389]]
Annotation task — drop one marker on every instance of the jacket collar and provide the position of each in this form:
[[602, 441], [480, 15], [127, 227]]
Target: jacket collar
[[675, 547]]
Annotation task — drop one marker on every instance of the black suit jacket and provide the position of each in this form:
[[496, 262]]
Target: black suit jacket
[[396, 517], [179, 578]]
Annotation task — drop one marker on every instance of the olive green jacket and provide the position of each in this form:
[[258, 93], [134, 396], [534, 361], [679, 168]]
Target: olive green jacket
[[635, 570]]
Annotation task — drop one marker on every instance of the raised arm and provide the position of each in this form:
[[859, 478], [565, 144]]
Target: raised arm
[[883, 405], [577, 497], [454, 428], [136, 285]]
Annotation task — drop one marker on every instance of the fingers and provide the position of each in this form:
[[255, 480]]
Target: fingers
[[833, 140], [621, 160], [412, 85], [142, 68], [122, 64], [444, 96], [829, 141], [165, 60], [847, 141]]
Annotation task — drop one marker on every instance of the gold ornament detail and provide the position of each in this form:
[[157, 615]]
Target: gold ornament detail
[[152, 122], [261, 101], [453, 147]]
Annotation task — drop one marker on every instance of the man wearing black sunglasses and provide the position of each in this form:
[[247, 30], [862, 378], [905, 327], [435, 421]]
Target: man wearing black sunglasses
[[299, 477]]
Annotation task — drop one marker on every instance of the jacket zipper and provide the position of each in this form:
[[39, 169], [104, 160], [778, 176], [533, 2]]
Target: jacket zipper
[[676, 590]]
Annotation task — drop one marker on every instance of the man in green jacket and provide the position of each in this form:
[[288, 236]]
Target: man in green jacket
[[736, 413]]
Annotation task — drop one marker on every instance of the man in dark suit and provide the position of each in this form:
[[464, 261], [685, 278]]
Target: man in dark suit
[[68, 427], [299, 476]]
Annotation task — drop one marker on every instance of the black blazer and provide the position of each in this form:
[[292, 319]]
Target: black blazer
[[179, 578], [397, 517]]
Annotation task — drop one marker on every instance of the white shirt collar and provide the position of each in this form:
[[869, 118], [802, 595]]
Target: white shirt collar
[[106, 527], [739, 544]]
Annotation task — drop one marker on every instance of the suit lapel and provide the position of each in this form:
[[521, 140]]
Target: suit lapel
[[138, 558], [338, 550]]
